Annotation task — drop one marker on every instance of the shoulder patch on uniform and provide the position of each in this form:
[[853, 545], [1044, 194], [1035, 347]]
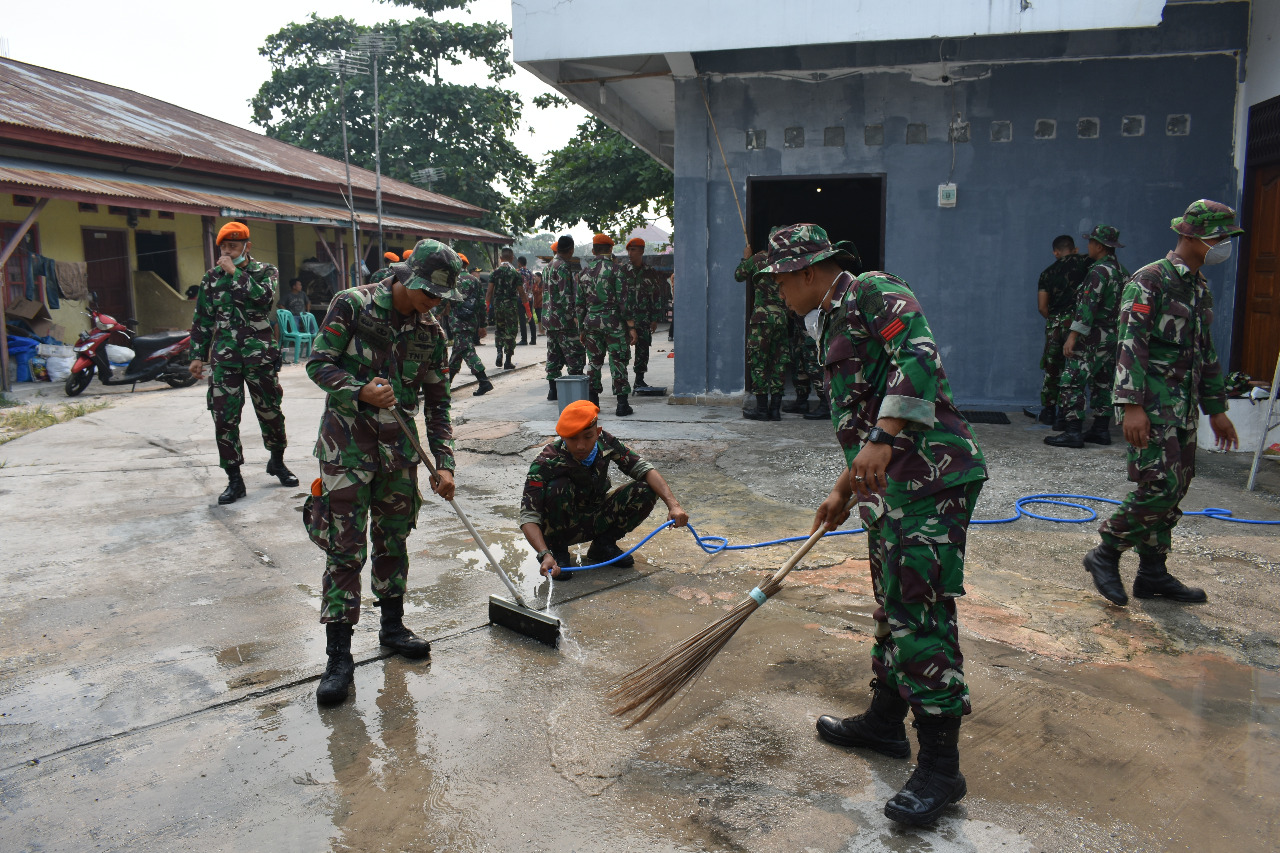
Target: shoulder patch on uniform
[[1139, 308], [895, 327]]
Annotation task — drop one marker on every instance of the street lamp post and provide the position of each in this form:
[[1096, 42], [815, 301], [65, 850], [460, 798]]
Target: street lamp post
[[343, 64], [374, 45]]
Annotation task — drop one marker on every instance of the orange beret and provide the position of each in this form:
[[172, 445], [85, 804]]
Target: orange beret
[[576, 417], [407, 253], [634, 242], [317, 487], [463, 258], [391, 256], [233, 231], [602, 240]]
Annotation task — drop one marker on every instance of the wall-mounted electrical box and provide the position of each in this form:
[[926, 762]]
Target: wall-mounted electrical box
[[946, 195]]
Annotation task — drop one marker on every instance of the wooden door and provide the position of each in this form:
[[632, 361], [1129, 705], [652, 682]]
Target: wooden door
[[1262, 289], [107, 253]]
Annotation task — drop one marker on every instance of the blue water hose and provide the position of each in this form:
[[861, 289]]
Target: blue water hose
[[716, 544]]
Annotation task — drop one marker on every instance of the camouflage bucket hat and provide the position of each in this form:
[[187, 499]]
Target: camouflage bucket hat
[[1205, 218], [1107, 235], [433, 267], [794, 247]]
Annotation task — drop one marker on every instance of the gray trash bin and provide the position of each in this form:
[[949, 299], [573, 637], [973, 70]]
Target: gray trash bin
[[571, 388]]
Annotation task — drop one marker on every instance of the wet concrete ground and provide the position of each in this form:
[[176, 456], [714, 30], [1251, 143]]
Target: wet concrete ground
[[159, 653]]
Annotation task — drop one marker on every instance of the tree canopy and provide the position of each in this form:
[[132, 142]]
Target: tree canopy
[[464, 129]]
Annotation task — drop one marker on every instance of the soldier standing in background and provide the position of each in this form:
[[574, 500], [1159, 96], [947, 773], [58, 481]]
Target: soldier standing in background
[[766, 339], [504, 295], [606, 321], [1167, 371], [234, 331], [560, 317], [467, 316], [917, 472], [379, 347], [1090, 348], [528, 327], [1059, 283], [644, 288]]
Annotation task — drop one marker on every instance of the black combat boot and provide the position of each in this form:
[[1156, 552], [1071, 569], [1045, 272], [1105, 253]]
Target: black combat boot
[[762, 409], [1103, 563], [594, 397], [276, 467], [624, 408], [551, 389], [484, 387], [603, 550], [1154, 581], [1071, 436], [509, 365], [340, 672], [1048, 415], [1059, 422], [799, 407], [937, 781], [1099, 432], [775, 407], [235, 486], [640, 383], [394, 635], [498, 361], [823, 412], [880, 727]]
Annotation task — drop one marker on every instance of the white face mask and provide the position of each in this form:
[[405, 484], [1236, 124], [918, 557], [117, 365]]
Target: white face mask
[[813, 324], [1217, 253]]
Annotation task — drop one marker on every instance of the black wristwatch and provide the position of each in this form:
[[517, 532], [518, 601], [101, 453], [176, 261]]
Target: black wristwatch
[[879, 436], [543, 554]]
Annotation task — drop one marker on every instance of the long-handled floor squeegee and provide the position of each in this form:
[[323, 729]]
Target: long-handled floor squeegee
[[519, 617]]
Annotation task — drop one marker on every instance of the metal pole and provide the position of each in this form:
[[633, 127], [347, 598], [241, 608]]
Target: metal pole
[[351, 199], [377, 155]]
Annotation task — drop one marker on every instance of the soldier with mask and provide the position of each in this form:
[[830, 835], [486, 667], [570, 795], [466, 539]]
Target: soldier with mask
[[560, 317], [1090, 347], [644, 286], [1167, 372], [606, 321], [1057, 288], [916, 470], [234, 331], [379, 347], [467, 316], [767, 341], [505, 287]]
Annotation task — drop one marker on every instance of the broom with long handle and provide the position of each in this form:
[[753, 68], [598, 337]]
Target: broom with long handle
[[658, 681]]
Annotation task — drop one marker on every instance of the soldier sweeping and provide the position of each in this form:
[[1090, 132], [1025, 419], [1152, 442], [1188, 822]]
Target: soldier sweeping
[[917, 472], [1167, 371], [379, 347], [234, 331]]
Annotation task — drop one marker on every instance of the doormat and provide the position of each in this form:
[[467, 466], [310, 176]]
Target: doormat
[[986, 417]]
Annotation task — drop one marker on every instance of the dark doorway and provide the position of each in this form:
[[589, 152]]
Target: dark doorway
[[1257, 321], [158, 253], [107, 254], [849, 207]]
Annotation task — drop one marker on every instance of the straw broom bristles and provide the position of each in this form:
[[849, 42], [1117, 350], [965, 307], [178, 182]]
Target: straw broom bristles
[[658, 681]]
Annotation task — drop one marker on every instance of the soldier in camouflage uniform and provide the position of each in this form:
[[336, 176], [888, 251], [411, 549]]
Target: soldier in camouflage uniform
[[767, 344], [233, 329], [567, 497], [606, 321], [644, 285], [917, 471], [504, 295], [468, 316], [802, 359], [1090, 347], [1057, 289], [560, 317], [379, 347], [1166, 370]]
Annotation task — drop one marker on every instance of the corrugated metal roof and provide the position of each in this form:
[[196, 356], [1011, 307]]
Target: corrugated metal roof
[[83, 184], [47, 100]]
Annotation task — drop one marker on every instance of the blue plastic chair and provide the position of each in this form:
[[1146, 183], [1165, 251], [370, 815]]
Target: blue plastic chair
[[310, 325], [291, 336]]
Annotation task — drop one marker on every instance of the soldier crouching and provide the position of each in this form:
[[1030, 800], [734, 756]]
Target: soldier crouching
[[379, 347]]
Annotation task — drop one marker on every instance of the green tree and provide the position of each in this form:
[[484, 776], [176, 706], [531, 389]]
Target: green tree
[[464, 129], [599, 177]]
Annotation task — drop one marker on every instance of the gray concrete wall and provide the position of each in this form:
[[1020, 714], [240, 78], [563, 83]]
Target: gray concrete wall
[[974, 266]]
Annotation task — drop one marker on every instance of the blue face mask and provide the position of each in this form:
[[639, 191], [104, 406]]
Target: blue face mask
[[595, 451]]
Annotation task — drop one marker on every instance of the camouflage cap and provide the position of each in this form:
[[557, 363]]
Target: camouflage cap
[[794, 247], [1205, 218], [1107, 235], [432, 267]]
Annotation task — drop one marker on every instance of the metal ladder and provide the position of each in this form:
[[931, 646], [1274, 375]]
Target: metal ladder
[[1273, 421]]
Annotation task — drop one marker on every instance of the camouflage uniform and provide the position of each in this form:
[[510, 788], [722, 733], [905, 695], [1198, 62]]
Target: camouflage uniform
[[1167, 364], [602, 307], [368, 466], [881, 360], [467, 316], [571, 502], [767, 341], [1061, 280], [506, 308], [1092, 366], [803, 356], [234, 326], [644, 285], [560, 321]]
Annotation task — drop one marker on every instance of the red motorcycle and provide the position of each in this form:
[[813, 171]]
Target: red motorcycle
[[164, 356]]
